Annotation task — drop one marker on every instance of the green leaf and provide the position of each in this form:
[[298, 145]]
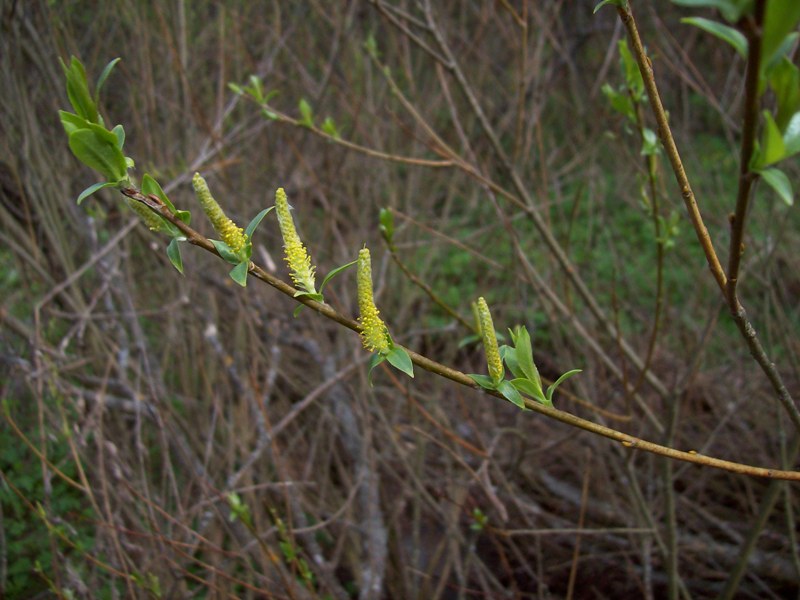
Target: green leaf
[[374, 362], [622, 3], [650, 145], [151, 186], [791, 136], [511, 394], [94, 188], [226, 253], [239, 273], [334, 273], [526, 386], [778, 181], [400, 360], [784, 78], [307, 115], [509, 356], [468, 340], [120, 133], [732, 10], [97, 149], [297, 310], [236, 89], [780, 20], [174, 255], [524, 354], [329, 127], [256, 88], [72, 122], [484, 381], [558, 382], [311, 295], [633, 77], [620, 102], [386, 224], [251, 227], [78, 91], [772, 147], [102, 79], [727, 34]]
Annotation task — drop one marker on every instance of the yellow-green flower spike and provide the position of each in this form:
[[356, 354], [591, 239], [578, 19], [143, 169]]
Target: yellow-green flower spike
[[374, 333], [151, 219], [232, 235], [300, 268], [496, 371]]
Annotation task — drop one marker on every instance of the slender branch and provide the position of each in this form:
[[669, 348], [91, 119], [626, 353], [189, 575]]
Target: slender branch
[[629, 441], [746, 176], [665, 134], [737, 310]]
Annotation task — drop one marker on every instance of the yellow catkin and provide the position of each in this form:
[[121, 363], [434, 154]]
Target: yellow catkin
[[495, 364], [232, 235], [374, 334], [151, 219], [300, 268]]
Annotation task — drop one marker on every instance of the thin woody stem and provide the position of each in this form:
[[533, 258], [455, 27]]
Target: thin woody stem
[[729, 292], [746, 176], [665, 135], [629, 441]]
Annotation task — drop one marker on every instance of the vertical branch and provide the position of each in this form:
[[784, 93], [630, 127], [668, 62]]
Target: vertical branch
[[665, 134], [746, 176]]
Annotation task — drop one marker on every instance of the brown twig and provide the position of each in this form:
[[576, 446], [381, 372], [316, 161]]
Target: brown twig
[[629, 441]]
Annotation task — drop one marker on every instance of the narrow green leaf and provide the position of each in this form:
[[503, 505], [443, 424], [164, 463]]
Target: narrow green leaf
[[94, 188], [184, 215], [329, 127], [649, 142], [526, 386], [727, 34], [772, 147], [174, 255], [511, 394], [484, 381], [78, 91], [784, 78], [780, 20], [72, 122], [306, 113], [374, 362], [297, 310], [251, 227], [623, 3], [102, 79], [633, 77], [620, 102], [235, 88], [151, 186], [256, 88], [225, 252], [731, 10], [239, 273], [778, 181], [120, 133], [386, 224], [468, 340], [310, 295], [97, 149], [400, 360], [791, 136], [509, 356], [559, 381], [334, 273]]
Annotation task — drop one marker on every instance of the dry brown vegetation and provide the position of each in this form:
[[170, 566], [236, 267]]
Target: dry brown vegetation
[[137, 399]]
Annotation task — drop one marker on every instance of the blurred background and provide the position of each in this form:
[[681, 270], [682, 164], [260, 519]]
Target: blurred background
[[178, 436]]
